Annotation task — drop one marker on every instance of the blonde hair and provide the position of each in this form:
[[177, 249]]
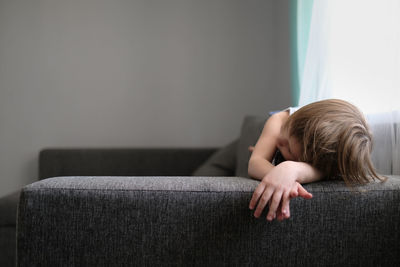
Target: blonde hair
[[335, 139]]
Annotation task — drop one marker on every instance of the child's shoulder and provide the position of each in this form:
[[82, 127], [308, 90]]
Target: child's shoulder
[[277, 119]]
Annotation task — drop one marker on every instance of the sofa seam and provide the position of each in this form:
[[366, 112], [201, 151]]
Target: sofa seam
[[193, 191], [135, 190]]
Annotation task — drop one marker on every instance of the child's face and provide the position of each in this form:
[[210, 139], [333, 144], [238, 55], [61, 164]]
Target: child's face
[[289, 146]]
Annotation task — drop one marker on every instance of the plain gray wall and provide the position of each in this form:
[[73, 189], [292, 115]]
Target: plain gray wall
[[139, 73]]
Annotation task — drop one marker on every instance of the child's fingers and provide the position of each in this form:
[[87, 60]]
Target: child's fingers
[[276, 200], [279, 215], [285, 208], [263, 201], [256, 195], [294, 192], [303, 192]]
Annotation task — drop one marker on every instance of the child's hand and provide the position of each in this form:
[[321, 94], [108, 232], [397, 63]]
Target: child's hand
[[297, 191], [276, 189]]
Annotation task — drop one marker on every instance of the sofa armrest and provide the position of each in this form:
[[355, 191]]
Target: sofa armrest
[[121, 162], [202, 221]]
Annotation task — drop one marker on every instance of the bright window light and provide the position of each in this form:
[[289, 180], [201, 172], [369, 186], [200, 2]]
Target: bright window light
[[354, 54], [364, 53]]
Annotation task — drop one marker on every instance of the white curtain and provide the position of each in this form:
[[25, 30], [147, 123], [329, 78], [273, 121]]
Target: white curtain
[[385, 127], [315, 80], [354, 54]]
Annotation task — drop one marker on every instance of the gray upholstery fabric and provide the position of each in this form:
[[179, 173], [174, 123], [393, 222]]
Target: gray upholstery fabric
[[135, 161], [121, 162], [8, 209], [8, 218], [202, 221], [8, 246], [221, 163], [250, 132]]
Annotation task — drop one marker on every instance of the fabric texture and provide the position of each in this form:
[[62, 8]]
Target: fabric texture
[[221, 163], [203, 221], [8, 209], [8, 219], [251, 129], [8, 246], [121, 162], [98, 161]]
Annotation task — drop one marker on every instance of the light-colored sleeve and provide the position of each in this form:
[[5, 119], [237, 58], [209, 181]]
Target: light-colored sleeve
[[292, 110]]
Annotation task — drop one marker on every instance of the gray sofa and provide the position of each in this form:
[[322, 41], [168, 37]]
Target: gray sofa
[[111, 162], [144, 207], [202, 221]]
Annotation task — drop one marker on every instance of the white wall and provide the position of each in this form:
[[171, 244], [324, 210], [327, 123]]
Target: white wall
[[139, 73]]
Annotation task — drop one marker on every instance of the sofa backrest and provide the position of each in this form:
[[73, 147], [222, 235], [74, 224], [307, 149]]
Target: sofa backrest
[[121, 162]]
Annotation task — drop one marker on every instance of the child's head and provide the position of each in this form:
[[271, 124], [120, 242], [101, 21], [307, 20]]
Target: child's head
[[334, 138]]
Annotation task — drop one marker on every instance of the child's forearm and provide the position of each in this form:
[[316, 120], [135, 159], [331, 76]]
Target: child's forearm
[[305, 172], [259, 167]]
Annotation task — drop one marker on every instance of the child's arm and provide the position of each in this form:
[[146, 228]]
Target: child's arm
[[265, 148], [279, 183]]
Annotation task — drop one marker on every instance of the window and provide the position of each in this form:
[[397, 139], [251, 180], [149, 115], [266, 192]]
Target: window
[[353, 53]]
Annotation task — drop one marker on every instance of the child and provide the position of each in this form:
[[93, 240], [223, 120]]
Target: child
[[325, 139]]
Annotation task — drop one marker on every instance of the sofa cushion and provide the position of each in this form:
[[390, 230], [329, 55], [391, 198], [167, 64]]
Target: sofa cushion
[[8, 246], [55, 162], [251, 129], [221, 163], [8, 209]]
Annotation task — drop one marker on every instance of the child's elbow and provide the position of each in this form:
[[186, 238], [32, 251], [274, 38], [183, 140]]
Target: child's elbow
[[250, 168]]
